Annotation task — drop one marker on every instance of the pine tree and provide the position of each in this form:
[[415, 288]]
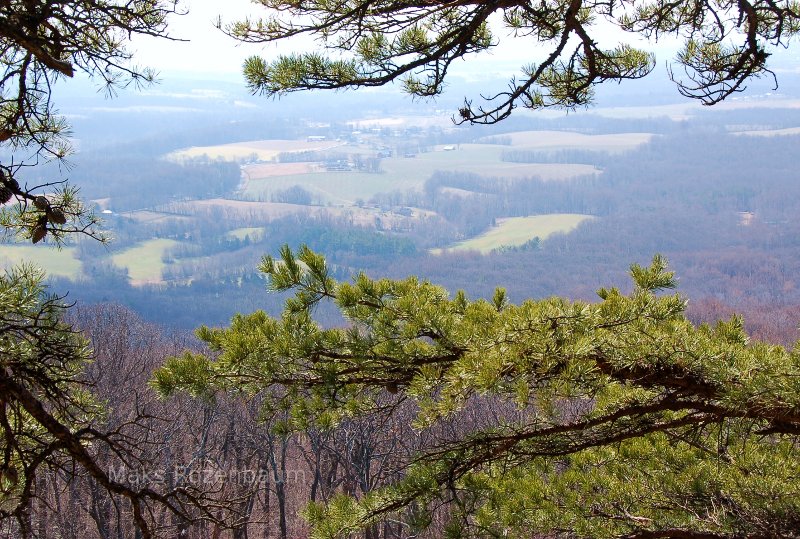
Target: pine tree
[[615, 419], [49, 420], [416, 43], [43, 42]]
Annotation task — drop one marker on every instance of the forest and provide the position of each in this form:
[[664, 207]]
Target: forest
[[331, 318]]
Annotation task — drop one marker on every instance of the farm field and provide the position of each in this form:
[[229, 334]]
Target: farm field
[[269, 170], [152, 216], [770, 132], [238, 209], [568, 140], [260, 212], [402, 173], [684, 111], [59, 263], [482, 159], [144, 261], [264, 150], [515, 231]]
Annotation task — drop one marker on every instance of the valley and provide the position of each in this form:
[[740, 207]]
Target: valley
[[192, 211]]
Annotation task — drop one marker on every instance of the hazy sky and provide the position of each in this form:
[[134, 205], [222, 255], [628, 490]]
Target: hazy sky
[[208, 51], [212, 54]]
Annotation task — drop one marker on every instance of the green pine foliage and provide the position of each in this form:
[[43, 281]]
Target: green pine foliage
[[42, 360], [43, 42], [365, 44], [611, 419]]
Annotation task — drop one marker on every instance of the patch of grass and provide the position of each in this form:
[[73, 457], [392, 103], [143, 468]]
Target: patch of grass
[[144, 261], [60, 263], [515, 231]]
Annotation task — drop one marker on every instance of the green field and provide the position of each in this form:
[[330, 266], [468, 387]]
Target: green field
[[401, 173], [515, 231], [60, 263], [144, 261]]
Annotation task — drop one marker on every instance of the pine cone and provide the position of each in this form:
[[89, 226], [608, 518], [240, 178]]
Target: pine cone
[[56, 216], [41, 202], [39, 230], [39, 233], [9, 181]]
